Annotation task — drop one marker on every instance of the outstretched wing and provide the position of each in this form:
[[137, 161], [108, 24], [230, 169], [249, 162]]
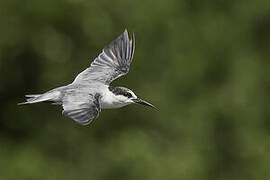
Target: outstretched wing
[[113, 62], [82, 108]]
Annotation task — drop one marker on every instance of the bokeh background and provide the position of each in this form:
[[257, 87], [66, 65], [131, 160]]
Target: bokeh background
[[204, 64]]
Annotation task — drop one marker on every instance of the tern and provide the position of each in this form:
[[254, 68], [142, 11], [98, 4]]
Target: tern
[[83, 99]]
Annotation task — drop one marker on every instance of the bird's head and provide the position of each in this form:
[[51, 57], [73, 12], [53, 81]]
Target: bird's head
[[126, 96]]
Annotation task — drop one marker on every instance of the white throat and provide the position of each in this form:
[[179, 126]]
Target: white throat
[[109, 100]]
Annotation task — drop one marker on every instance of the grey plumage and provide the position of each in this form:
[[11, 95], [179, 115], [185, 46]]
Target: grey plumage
[[81, 108], [113, 62], [83, 99]]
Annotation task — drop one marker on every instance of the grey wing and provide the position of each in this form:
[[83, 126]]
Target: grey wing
[[113, 62], [82, 108]]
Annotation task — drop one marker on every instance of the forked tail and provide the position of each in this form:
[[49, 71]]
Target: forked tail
[[36, 98]]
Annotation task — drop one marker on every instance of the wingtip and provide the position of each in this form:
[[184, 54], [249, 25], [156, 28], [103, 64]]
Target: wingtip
[[125, 33], [133, 38]]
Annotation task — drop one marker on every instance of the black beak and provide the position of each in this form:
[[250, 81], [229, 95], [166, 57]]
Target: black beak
[[143, 102]]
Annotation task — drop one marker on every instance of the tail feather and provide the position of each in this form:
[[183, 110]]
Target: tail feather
[[32, 95], [35, 98], [23, 103], [31, 98]]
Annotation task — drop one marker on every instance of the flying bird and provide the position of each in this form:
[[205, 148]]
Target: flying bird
[[83, 99]]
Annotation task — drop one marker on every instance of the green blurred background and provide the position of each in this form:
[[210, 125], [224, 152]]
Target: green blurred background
[[204, 64]]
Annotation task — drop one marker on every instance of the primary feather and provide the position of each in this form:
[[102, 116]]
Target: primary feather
[[113, 62]]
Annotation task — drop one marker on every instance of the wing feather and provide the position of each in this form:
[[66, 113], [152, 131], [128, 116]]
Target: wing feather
[[81, 108], [113, 62]]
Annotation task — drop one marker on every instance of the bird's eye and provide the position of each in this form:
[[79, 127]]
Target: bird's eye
[[127, 94]]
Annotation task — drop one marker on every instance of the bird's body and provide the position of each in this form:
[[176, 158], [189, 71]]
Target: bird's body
[[83, 99]]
